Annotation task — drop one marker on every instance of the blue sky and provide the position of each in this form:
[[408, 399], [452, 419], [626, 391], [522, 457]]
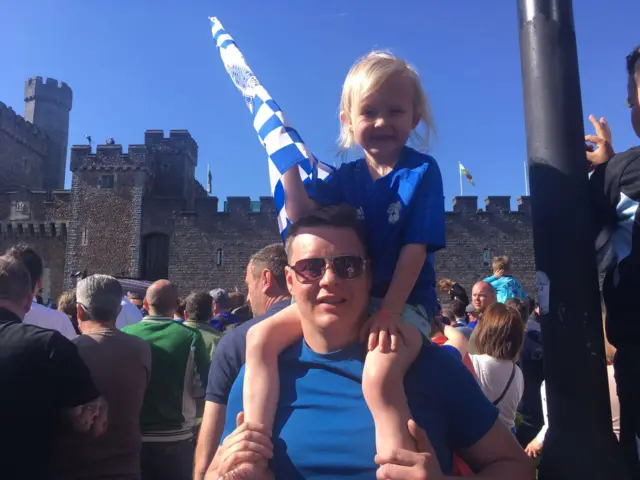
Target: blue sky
[[136, 65]]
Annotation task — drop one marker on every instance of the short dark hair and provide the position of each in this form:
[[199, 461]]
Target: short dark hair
[[521, 306], [182, 305], [272, 258], [339, 216], [632, 60], [15, 280], [458, 308], [31, 260], [199, 307]]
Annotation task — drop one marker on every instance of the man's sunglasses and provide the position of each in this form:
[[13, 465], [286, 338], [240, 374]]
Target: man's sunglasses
[[345, 267]]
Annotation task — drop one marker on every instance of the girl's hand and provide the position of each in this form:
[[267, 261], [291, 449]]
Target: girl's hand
[[534, 448], [381, 331]]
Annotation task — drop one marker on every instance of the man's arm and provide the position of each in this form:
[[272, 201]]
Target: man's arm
[[203, 362], [209, 438], [498, 456]]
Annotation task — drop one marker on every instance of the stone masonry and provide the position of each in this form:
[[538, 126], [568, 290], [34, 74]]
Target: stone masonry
[[142, 214]]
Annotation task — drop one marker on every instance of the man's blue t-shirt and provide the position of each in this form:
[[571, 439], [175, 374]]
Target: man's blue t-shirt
[[324, 430], [403, 207]]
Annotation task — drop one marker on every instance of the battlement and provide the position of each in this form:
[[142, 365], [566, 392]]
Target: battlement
[[109, 157], [22, 131], [493, 204], [48, 89], [177, 141], [20, 230]]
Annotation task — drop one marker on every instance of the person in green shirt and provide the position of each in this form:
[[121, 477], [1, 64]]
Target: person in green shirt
[[198, 311], [179, 369]]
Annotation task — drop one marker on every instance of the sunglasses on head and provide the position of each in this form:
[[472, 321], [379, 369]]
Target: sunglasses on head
[[345, 267]]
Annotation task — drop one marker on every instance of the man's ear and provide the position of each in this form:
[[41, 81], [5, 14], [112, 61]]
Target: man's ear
[[266, 279], [289, 275], [81, 313], [145, 304]]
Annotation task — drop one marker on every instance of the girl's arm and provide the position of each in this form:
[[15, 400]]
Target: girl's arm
[[410, 263], [265, 341], [296, 200]]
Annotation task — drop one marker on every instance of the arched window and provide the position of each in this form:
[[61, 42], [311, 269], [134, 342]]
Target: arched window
[[219, 257], [155, 256]]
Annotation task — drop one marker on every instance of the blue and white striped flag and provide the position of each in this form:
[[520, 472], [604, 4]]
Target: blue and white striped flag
[[284, 145]]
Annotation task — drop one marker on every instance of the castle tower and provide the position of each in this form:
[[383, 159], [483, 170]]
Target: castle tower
[[47, 106]]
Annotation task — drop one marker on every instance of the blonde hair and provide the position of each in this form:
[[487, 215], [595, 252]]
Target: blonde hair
[[367, 74], [501, 263]]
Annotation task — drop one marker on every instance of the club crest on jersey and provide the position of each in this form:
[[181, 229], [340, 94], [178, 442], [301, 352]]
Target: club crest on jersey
[[394, 212], [360, 213]]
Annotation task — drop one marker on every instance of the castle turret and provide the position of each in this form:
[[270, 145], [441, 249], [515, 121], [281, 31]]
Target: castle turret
[[47, 106]]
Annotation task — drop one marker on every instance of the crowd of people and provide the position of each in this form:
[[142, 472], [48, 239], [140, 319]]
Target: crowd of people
[[341, 363]]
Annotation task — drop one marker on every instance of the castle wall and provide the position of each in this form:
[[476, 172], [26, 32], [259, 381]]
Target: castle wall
[[106, 213], [496, 231], [238, 234], [23, 151], [40, 220]]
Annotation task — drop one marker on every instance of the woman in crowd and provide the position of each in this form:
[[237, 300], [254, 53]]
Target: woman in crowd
[[453, 289], [499, 338]]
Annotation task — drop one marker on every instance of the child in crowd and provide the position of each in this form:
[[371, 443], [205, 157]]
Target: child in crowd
[[505, 284], [398, 193]]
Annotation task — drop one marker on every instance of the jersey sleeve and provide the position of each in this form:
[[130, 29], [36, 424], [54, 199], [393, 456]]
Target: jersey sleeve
[[425, 219], [69, 374], [225, 366], [471, 414], [327, 191]]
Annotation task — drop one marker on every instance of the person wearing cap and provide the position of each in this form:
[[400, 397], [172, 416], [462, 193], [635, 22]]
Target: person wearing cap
[[222, 316], [120, 367], [472, 315], [614, 189]]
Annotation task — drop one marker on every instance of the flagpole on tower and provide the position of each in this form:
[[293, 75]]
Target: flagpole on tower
[[460, 174], [526, 178]]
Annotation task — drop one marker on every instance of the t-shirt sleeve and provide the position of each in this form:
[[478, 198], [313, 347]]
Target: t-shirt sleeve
[[202, 358], [452, 351], [225, 365], [68, 374], [425, 220], [327, 191], [471, 415]]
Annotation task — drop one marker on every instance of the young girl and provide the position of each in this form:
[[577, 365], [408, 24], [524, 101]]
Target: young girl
[[398, 192]]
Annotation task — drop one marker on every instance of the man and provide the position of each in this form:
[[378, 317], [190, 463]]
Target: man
[[129, 314], [198, 311], [43, 382], [458, 308], [267, 295], [40, 315], [323, 428], [179, 367], [482, 295], [136, 299], [222, 316], [120, 365], [614, 189]]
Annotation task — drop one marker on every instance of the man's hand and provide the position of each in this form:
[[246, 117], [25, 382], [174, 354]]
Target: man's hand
[[90, 417], [600, 145], [498, 273], [381, 331], [406, 465], [243, 454], [534, 448]]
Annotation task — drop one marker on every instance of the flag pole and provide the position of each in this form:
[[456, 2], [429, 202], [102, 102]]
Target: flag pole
[[526, 178], [460, 175]]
